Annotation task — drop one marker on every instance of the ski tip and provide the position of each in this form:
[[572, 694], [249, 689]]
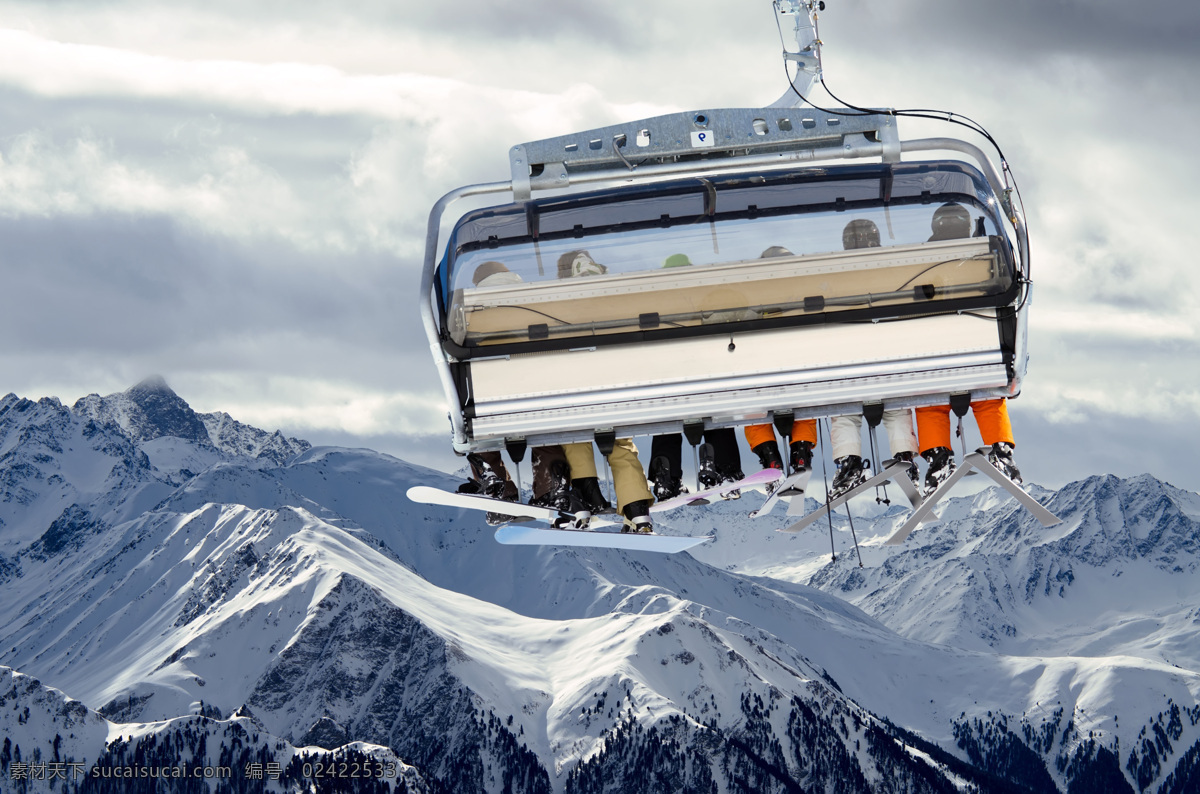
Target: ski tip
[[418, 493]]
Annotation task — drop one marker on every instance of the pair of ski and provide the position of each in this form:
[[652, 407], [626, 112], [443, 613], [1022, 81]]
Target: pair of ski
[[521, 530], [923, 506], [772, 480]]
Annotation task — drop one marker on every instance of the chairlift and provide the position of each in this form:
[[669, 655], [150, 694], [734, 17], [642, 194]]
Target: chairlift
[[724, 267]]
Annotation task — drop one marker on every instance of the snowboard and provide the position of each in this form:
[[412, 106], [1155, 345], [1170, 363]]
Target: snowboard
[[893, 469], [759, 479], [979, 462], [523, 535], [518, 531], [519, 511], [788, 487]]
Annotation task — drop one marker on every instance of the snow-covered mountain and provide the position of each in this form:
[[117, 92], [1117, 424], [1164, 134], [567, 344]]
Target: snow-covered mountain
[[198, 584]]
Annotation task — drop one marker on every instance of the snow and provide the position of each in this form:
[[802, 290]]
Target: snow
[[213, 573]]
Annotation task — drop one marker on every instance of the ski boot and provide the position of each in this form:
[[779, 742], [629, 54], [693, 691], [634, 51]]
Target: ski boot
[[914, 473], [768, 455], [711, 475], [662, 483], [637, 518], [492, 485], [561, 497], [587, 489], [851, 472], [941, 466], [729, 475], [1001, 456], [800, 457], [769, 458]]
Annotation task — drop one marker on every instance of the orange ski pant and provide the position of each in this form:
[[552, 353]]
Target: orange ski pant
[[933, 424], [802, 430]]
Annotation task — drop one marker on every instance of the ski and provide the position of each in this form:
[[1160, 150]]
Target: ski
[[910, 489], [788, 487], [906, 485], [757, 480], [519, 511], [519, 535], [979, 462], [896, 469]]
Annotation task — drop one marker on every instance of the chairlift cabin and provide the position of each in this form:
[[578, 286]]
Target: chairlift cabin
[[722, 268]]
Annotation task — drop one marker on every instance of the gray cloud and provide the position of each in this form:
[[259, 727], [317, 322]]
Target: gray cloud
[[1104, 30], [237, 200]]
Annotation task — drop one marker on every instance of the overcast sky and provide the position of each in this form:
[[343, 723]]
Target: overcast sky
[[233, 195]]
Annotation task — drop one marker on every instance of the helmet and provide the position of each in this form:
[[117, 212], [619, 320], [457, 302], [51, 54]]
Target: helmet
[[950, 222], [488, 270], [579, 263], [774, 251], [860, 233]]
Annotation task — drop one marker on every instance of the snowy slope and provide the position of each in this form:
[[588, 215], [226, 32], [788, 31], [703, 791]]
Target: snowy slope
[[305, 591], [1117, 577], [52, 740]]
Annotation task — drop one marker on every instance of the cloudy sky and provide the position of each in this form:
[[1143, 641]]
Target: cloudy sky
[[233, 195]]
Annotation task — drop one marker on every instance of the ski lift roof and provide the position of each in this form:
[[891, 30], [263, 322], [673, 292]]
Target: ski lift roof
[[724, 137], [735, 338]]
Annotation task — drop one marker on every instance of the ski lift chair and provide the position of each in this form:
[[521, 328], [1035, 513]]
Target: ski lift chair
[[730, 336]]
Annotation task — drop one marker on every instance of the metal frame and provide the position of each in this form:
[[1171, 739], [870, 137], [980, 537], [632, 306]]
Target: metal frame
[[698, 143]]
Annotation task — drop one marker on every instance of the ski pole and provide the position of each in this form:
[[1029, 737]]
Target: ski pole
[[853, 535], [825, 477], [875, 457]]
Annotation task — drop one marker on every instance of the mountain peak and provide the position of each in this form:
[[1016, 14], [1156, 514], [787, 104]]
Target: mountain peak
[[147, 411], [151, 385]]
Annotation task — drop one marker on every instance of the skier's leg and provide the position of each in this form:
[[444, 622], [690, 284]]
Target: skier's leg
[[584, 479], [633, 494], [669, 446], [846, 435], [902, 441], [581, 459], [996, 430], [804, 439], [992, 418], [490, 478], [805, 430], [933, 436], [551, 478], [761, 439], [899, 425], [666, 466], [759, 434], [933, 427], [488, 470], [725, 453], [628, 476]]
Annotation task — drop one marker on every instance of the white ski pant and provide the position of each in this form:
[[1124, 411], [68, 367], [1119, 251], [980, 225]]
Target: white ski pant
[[846, 433]]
